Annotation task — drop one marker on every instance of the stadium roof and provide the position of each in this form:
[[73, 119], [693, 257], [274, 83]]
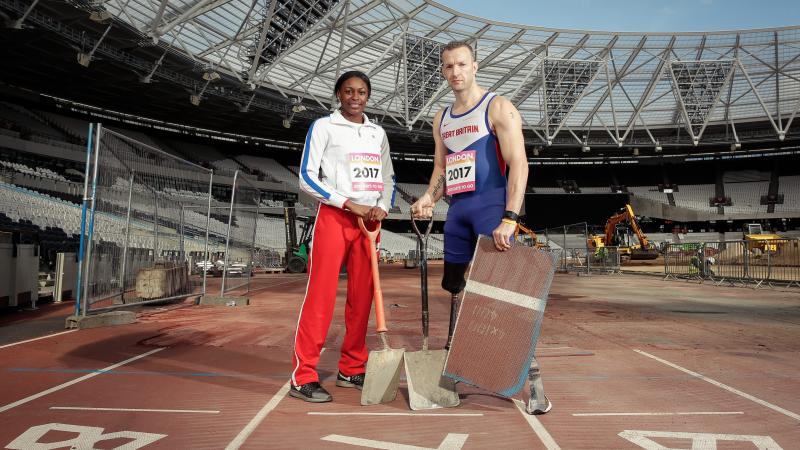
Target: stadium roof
[[573, 88]]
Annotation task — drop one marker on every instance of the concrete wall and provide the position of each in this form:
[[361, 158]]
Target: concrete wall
[[18, 275]]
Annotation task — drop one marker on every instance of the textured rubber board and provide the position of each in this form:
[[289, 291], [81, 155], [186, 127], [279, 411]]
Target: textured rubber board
[[500, 317]]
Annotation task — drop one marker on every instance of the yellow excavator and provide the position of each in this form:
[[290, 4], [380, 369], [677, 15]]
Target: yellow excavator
[[522, 229], [641, 251]]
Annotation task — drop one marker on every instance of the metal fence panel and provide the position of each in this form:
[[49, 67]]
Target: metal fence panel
[[240, 238], [605, 260], [770, 261], [683, 260], [135, 238]]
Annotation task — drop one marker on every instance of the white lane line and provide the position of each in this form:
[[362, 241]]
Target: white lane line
[[538, 428], [716, 383], [81, 408], [261, 415], [77, 380], [312, 413], [697, 413], [256, 421], [36, 339]]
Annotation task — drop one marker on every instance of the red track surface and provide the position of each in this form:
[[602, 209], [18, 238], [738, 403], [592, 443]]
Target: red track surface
[[632, 348]]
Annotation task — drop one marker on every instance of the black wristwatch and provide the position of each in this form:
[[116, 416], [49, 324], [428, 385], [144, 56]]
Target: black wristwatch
[[511, 215]]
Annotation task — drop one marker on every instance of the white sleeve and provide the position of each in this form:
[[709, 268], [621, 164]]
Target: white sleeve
[[386, 199], [316, 142]]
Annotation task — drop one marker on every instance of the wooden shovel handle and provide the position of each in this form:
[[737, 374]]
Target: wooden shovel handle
[[377, 294]]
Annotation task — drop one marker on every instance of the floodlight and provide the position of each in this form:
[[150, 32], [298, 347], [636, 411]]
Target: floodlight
[[211, 75], [84, 59], [100, 16]]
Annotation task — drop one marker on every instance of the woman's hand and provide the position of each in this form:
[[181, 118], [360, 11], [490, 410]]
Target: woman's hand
[[359, 210], [376, 214]]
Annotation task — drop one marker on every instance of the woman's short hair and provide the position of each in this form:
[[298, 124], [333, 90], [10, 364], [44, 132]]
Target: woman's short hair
[[352, 74]]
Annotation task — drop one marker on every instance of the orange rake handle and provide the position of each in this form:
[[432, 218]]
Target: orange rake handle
[[377, 295]]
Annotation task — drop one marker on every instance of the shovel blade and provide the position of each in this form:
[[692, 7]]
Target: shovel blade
[[382, 376], [427, 388]]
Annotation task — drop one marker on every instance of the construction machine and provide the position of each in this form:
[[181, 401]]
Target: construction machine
[[297, 249], [641, 251], [757, 238], [527, 233]]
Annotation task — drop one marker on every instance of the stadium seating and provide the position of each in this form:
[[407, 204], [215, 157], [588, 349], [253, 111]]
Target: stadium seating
[[790, 188], [746, 197], [415, 191], [271, 168]]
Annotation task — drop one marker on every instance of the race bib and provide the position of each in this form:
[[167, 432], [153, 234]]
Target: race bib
[[365, 172], [460, 174]]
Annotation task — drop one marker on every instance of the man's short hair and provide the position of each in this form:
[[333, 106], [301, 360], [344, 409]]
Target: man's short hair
[[452, 45]]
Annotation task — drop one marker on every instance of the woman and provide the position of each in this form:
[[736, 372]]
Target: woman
[[346, 166]]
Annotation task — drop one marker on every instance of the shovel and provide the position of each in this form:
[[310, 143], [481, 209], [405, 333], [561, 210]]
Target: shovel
[[383, 366], [427, 388]]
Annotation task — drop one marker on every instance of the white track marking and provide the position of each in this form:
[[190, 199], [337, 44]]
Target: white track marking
[[259, 417], [452, 441], [538, 428], [36, 339], [716, 383], [700, 441], [698, 413], [82, 408], [312, 413], [77, 380]]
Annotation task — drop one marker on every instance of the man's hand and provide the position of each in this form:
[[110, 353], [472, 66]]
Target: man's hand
[[423, 208], [502, 235], [376, 214]]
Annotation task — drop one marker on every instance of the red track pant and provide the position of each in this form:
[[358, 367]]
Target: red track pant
[[337, 239]]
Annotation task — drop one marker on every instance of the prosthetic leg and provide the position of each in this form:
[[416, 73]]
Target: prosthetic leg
[[453, 282]]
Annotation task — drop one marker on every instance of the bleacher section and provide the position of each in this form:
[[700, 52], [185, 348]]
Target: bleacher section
[[28, 122], [746, 197], [416, 191], [41, 172], [270, 168], [75, 127], [650, 192], [694, 196], [790, 188]]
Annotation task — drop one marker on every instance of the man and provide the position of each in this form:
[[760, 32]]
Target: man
[[480, 161]]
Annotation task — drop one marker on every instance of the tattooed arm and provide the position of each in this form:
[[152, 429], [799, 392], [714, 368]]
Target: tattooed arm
[[423, 208]]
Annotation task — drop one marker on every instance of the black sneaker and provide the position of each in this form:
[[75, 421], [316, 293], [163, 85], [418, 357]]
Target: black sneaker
[[311, 392], [353, 381], [539, 408]]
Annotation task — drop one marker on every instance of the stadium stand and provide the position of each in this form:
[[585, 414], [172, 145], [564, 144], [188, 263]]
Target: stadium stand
[[410, 192], [790, 188], [270, 168], [693, 196]]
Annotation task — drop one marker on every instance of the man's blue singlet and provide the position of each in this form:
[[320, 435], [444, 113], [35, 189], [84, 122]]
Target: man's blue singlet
[[475, 177]]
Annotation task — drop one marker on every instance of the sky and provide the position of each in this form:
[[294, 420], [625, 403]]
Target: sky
[[633, 15]]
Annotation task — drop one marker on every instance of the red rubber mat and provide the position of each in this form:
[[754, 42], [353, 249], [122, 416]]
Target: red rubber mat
[[500, 316]]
